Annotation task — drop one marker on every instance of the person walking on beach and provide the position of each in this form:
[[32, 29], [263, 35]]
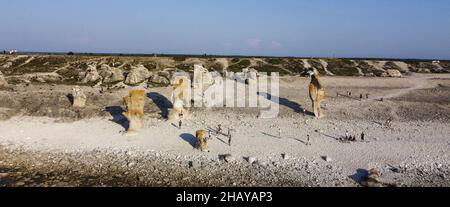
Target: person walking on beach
[[219, 129], [308, 140]]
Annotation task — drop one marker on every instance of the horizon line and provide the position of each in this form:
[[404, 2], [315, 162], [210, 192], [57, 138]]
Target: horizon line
[[206, 55]]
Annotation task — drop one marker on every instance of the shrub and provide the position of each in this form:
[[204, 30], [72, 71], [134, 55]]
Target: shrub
[[275, 61], [179, 58], [317, 65], [237, 67], [342, 67], [271, 68]]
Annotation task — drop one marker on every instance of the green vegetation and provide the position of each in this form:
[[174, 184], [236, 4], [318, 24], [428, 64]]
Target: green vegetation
[[391, 66], [295, 66], [271, 68], [317, 65], [185, 67], [366, 68], [342, 67], [150, 65], [237, 67], [179, 58], [275, 61], [235, 60], [216, 66]]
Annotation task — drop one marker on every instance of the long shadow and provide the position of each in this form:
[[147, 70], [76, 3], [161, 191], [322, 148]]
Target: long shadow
[[336, 138], [216, 132], [273, 136], [162, 102], [360, 175], [297, 108], [118, 117], [217, 135], [299, 140], [189, 138]]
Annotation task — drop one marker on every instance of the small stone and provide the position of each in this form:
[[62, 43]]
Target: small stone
[[275, 164], [2, 175], [20, 184], [251, 160], [228, 158], [327, 159], [285, 156], [131, 164], [191, 164], [141, 178]]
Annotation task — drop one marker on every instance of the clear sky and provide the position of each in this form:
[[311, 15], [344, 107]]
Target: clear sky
[[341, 28]]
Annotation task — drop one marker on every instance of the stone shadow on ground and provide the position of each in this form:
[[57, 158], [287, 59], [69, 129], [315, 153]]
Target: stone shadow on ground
[[189, 138], [162, 102], [297, 108], [118, 117], [360, 175]]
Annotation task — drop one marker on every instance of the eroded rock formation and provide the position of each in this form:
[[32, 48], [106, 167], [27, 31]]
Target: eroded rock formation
[[181, 96], [79, 98], [134, 111], [137, 75]]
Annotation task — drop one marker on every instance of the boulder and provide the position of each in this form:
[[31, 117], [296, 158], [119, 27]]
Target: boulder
[[79, 98], [111, 74], [91, 75], [137, 75], [160, 80]]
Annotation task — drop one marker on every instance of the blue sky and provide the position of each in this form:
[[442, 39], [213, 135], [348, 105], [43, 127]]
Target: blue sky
[[342, 28]]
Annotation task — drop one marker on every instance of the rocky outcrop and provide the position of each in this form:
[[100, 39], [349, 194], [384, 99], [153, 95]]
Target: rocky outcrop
[[161, 78], [135, 111], [90, 75], [111, 74], [79, 98], [137, 75], [393, 73]]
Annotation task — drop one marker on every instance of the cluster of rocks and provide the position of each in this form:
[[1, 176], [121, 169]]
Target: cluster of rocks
[[107, 75]]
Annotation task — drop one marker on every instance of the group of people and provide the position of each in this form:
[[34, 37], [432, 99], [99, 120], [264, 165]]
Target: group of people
[[352, 138], [9, 52], [349, 94]]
